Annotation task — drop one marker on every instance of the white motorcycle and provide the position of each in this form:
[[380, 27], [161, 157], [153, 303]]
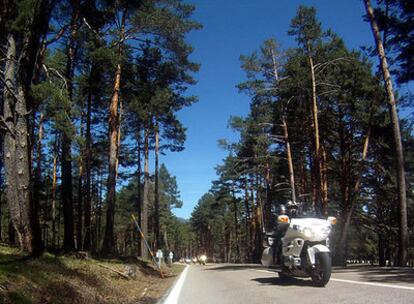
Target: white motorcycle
[[303, 251]]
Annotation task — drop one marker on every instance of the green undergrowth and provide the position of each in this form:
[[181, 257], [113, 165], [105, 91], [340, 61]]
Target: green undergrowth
[[65, 279]]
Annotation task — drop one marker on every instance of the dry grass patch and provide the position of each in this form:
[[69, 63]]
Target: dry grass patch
[[65, 279]]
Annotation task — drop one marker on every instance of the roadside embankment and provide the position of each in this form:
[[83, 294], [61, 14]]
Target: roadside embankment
[[79, 279]]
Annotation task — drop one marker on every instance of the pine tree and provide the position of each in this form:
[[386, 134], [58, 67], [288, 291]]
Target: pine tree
[[402, 195]]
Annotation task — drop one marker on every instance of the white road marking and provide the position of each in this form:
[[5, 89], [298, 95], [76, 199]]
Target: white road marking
[[265, 271], [373, 284], [175, 292], [352, 282]]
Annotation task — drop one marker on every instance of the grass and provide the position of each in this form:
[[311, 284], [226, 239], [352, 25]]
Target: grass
[[65, 279]]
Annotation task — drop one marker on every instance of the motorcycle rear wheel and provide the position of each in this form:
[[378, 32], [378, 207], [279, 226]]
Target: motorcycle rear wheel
[[322, 272]]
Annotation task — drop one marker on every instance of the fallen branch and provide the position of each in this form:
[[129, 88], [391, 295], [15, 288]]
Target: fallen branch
[[114, 270]]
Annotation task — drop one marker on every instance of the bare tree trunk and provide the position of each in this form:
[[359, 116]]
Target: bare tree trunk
[[99, 211], [79, 239], [167, 246], [37, 185], [289, 157], [17, 169], [54, 184], [108, 246], [88, 200], [392, 104], [1, 190], [66, 158], [236, 226], [318, 162], [324, 180], [156, 189], [285, 134], [248, 221], [322, 187], [118, 139], [351, 203], [259, 223], [139, 196], [144, 211]]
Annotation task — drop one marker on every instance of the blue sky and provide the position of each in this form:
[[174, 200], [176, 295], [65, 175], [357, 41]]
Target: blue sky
[[232, 28]]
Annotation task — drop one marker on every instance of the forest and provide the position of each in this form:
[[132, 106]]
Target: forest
[[323, 130], [90, 91]]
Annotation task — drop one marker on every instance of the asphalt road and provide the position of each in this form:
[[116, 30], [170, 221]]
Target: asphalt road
[[225, 284]]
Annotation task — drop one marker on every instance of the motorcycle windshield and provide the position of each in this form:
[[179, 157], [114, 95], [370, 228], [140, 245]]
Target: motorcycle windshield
[[308, 212]]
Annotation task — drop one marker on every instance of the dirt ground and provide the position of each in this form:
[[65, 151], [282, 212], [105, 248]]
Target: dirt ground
[[68, 279]]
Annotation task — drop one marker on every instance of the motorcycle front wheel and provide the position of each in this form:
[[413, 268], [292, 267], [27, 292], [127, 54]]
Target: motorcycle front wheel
[[322, 272]]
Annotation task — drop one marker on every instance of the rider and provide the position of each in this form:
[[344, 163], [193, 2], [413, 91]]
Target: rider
[[291, 210]]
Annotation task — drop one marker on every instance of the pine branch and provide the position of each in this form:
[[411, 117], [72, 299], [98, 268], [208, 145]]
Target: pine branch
[[8, 88], [5, 126], [56, 72], [58, 35], [90, 27], [324, 65]]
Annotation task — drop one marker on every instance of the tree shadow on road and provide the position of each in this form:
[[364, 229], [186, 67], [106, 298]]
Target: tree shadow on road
[[380, 274], [283, 282], [391, 276], [234, 267]]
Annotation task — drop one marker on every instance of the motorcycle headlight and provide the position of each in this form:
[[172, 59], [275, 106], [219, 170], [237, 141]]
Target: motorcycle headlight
[[308, 232], [299, 228]]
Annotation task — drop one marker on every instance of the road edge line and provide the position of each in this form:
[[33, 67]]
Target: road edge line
[[172, 295], [372, 284]]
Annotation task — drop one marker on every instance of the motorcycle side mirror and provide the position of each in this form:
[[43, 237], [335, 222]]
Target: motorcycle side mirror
[[332, 220], [283, 219]]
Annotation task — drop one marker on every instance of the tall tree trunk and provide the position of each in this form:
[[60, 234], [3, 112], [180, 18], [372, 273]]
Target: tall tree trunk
[[156, 189], [317, 156], [88, 142], [99, 210], [67, 199], [139, 196], [108, 246], [285, 133], [248, 220], [118, 139], [392, 104], [166, 244], [79, 228], [144, 211], [1, 174], [236, 226], [37, 185], [324, 179], [11, 232], [54, 186], [16, 162], [381, 248], [289, 158], [66, 157], [139, 174], [18, 78], [1, 196], [351, 203]]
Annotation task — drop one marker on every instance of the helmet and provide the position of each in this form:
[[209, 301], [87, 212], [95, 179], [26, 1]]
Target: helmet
[[282, 209], [292, 208]]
